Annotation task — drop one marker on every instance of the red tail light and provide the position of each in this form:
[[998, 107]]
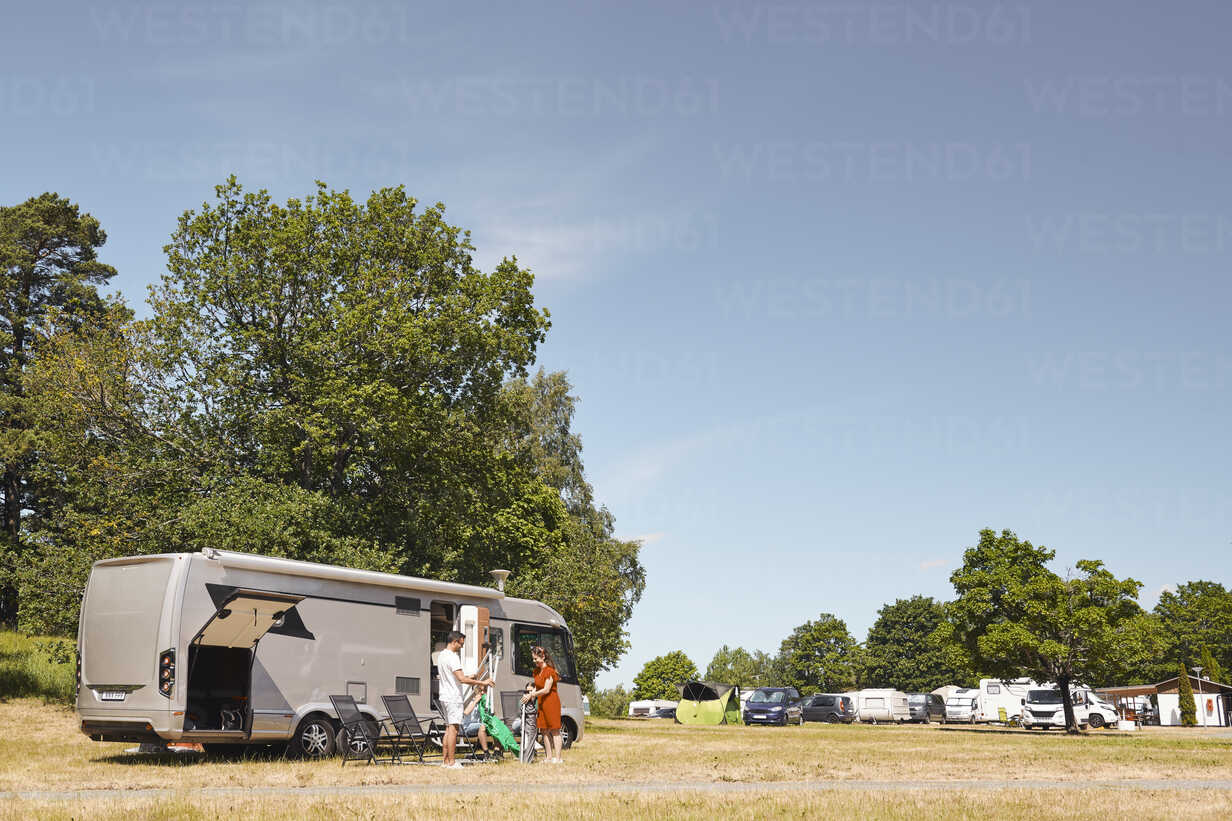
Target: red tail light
[[166, 672]]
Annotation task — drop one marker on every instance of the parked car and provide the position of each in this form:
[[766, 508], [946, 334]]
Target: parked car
[[664, 712], [828, 707], [924, 707], [774, 705]]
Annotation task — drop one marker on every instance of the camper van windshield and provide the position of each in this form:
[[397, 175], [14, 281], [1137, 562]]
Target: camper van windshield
[[1044, 696], [552, 639]]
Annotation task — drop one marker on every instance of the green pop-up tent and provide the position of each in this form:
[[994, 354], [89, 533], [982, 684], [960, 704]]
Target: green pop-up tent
[[708, 702]]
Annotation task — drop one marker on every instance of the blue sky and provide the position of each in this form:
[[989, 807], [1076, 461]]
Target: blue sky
[[838, 284]]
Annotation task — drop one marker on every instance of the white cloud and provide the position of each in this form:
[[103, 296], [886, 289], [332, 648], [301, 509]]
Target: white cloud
[[928, 564], [650, 538]]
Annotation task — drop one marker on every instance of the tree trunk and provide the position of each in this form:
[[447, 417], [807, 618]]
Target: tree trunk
[[1071, 722]]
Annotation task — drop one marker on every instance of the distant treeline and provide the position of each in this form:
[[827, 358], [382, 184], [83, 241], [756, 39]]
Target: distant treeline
[[1011, 616]]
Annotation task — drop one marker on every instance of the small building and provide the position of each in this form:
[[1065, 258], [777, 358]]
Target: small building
[[1212, 700]]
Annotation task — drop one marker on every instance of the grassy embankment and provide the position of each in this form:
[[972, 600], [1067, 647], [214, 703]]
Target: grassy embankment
[[42, 668]]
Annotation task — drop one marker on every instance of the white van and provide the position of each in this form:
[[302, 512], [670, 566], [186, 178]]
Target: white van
[[963, 706], [1044, 709], [224, 648], [882, 705], [1003, 694]]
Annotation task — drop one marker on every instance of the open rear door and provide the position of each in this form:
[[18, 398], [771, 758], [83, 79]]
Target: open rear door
[[473, 623], [244, 617]]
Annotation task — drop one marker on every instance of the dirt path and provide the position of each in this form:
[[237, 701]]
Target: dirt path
[[721, 787]]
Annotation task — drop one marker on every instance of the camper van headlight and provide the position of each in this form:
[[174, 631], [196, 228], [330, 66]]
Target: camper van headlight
[[166, 672]]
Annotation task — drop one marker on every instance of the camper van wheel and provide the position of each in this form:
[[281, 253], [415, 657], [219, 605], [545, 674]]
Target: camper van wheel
[[567, 733], [1096, 721], [315, 737]]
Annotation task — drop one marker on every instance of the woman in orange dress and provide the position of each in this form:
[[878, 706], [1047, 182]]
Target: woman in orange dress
[[546, 679]]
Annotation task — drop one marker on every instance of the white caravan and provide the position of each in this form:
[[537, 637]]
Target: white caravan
[[1000, 694], [882, 705], [963, 706], [648, 706], [224, 648]]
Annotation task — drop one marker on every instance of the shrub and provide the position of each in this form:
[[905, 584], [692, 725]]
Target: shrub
[[1189, 712]]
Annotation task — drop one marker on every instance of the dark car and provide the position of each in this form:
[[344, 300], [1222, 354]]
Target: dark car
[[925, 707], [663, 712], [773, 705], [831, 708]]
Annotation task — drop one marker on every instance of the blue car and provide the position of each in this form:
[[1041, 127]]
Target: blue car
[[774, 705]]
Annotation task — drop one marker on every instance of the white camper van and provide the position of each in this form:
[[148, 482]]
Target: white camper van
[[224, 648], [882, 705], [1001, 694], [1044, 709], [963, 706]]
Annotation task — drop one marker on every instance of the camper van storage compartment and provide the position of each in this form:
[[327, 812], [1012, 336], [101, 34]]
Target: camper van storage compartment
[[217, 688]]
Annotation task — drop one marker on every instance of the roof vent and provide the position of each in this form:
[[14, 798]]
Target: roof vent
[[500, 576]]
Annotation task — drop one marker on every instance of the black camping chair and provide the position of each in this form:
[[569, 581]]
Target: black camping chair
[[361, 736], [407, 728]]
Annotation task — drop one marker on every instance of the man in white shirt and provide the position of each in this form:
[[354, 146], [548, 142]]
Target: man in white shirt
[[453, 684]]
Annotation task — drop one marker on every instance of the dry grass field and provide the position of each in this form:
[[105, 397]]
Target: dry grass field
[[812, 772]]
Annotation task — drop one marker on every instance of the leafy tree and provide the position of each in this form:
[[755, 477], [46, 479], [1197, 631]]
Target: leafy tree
[[610, 703], [661, 676], [331, 381], [592, 578], [904, 649], [1198, 615], [48, 260], [1016, 617], [1140, 645], [739, 666], [1210, 667], [1189, 711], [818, 655]]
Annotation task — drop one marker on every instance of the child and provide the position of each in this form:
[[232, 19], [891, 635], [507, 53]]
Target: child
[[530, 726]]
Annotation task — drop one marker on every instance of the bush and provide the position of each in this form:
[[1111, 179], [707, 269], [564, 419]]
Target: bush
[[613, 703], [38, 667]]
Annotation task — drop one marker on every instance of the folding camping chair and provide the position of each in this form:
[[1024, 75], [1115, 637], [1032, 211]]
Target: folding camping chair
[[406, 726], [360, 735]]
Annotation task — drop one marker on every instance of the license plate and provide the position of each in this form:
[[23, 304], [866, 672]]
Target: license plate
[[112, 695]]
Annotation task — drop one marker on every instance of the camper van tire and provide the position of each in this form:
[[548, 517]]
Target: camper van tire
[[568, 732], [315, 737], [1095, 720]]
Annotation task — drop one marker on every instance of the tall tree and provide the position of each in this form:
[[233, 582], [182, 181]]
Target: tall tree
[[818, 655], [739, 666], [1210, 666], [662, 675], [1185, 699], [1017, 617], [1198, 614], [49, 259], [904, 650]]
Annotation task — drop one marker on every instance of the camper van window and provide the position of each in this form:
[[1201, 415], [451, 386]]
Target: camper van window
[[551, 639], [406, 605], [994, 689]]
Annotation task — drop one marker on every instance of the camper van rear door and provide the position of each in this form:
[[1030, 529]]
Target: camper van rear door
[[244, 618]]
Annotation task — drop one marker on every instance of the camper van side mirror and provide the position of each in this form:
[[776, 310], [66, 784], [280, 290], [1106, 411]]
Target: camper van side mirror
[[1022, 701]]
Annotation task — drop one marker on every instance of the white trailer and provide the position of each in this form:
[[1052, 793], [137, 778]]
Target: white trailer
[[1003, 694], [224, 648], [881, 704]]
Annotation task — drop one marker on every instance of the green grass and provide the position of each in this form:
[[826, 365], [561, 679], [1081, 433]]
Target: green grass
[[37, 667]]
